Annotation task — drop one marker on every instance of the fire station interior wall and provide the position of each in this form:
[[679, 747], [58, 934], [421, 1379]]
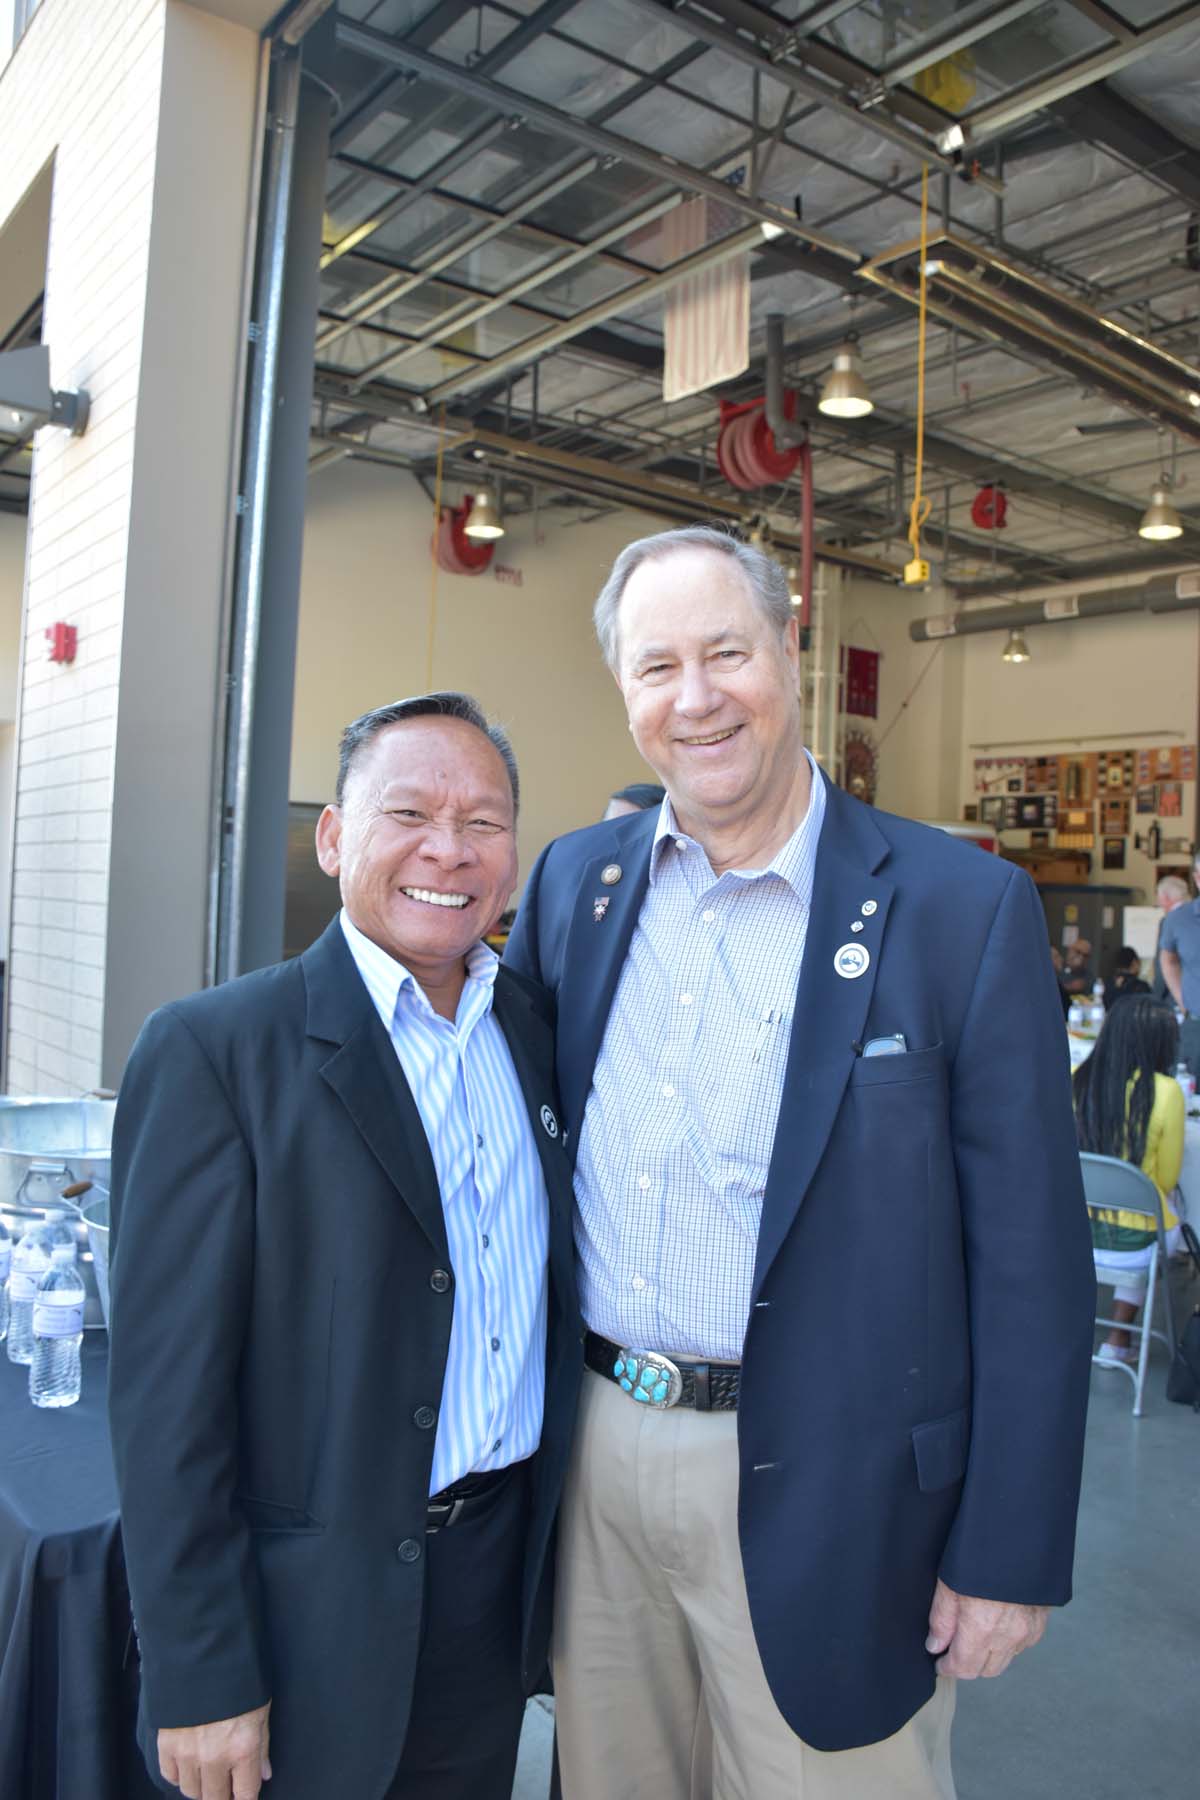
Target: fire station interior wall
[[522, 645]]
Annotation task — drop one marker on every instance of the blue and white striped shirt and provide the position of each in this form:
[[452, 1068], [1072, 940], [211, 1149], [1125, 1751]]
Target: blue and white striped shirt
[[495, 1206], [680, 1122]]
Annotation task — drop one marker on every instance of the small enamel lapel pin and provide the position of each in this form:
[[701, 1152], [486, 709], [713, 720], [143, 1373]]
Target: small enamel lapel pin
[[599, 907]]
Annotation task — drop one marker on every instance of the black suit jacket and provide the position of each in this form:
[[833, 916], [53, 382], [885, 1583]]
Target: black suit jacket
[[916, 1360], [280, 1323]]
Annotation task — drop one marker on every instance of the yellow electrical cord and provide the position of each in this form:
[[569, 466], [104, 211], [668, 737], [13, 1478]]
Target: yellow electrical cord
[[918, 570], [433, 561]]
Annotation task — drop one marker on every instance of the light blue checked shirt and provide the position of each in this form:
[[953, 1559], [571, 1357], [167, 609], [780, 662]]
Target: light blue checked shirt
[[680, 1122], [495, 1206]]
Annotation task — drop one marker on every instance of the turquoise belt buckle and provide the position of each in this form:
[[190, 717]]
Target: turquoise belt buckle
[[648, 1377]]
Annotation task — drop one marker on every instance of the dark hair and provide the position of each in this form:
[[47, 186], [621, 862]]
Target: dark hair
[[1139, 1039], [642, 794], [1127, 958], [449, 705]]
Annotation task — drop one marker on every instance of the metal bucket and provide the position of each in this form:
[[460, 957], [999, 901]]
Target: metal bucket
[[94, 1213], [45, 1146]]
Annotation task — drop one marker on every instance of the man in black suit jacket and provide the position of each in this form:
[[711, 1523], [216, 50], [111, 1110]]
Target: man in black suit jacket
[[343, 1315], [831, 1236]]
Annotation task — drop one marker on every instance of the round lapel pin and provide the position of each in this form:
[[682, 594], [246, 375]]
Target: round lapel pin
[[549, 1122], [870, 908], [851, 961], [610, 874]]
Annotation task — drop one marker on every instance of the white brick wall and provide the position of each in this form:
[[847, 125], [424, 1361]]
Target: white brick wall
[[83, 88]]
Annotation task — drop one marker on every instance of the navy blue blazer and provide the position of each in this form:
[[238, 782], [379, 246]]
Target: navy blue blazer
[[916, 1361]]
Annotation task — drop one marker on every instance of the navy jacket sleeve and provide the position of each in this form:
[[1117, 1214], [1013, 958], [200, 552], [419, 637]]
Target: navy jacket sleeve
[[182, 1262], [1029, 1268]]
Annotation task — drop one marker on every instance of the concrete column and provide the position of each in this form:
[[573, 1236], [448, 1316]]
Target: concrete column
[[146, 113]]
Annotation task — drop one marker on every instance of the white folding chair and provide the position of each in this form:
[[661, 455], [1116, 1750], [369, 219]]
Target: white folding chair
[[1108, 1185]]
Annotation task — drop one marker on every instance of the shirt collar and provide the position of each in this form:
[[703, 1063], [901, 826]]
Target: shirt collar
[[386, 979], [793, 862]]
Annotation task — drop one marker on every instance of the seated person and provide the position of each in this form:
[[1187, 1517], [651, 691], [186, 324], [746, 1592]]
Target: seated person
[[1126, 977], [1076, 976], [1129, 1105]]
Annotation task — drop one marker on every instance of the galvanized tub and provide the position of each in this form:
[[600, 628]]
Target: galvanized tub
[[93, 1211], [45, 1146]]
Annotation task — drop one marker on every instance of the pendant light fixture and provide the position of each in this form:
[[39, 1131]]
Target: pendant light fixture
[[1160, 520], [483, 520], [1016, 650], [845, 395]]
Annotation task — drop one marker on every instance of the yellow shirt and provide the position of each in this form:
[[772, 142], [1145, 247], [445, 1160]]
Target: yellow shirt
[[1164, 1151]]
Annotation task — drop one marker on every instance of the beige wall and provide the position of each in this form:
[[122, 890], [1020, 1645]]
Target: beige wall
[[527, 653]]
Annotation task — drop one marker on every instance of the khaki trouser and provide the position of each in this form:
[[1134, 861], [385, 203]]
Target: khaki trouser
[[660, 1690]]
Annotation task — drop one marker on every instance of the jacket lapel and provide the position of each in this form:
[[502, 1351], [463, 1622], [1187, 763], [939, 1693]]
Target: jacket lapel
[[365, 1074], [831, 1009], [530, 1037], [595, 955]]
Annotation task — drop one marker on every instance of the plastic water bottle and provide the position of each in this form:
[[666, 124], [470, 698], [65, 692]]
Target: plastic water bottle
[[60, 1230], [1187, 1082], [1097, 1008], [56, 1372], [30, 1261], [1075, 1018], [5, 1268]]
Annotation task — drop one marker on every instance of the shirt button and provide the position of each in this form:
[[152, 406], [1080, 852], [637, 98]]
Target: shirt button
[[479, 1140], [681, 843], [708, 915], [668, 1092], [424, 1418], [685, 999], [409, 1551], [439, 1281], [638, 1283], [495, 1343], [485, 1240], [643, 1182], [497, 1443]]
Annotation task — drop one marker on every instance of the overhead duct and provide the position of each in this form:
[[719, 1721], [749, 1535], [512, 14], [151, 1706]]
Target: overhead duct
[[968, 285], [1178, 594]]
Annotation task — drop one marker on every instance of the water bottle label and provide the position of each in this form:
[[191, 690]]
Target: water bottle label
[[23, 1285], [57, 1315]]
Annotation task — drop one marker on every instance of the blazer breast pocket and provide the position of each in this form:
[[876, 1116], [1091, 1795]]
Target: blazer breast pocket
[[892, 1071]]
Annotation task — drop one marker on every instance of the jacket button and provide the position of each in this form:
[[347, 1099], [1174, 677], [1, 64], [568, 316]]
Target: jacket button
[[409, 1551], [439, 1281], [425, 1417]]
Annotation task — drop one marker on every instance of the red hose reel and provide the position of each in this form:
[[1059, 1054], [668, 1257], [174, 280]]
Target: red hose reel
[[989, 508], [747, 454], [453, 550]]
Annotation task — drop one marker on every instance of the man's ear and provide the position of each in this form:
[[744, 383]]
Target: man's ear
[[329, 840]]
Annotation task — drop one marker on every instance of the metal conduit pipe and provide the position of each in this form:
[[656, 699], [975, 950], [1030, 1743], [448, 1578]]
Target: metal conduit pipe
[[787, 435], [1169, 594]]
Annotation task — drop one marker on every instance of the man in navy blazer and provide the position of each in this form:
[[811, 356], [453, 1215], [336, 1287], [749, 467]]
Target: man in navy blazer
[[831, 1239]]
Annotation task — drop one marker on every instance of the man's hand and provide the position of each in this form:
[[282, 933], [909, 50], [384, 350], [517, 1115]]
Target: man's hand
[[978, 1637], [226, 1760]]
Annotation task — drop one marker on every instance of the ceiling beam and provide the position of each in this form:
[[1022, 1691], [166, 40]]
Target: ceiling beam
[[1106, 118]]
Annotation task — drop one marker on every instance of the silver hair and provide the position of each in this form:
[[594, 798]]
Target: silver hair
[[1173, 886], [445, 705], [766, 579]]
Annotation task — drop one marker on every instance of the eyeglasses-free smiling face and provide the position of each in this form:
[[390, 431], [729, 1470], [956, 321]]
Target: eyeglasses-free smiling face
[[424, 843], [710, 686]]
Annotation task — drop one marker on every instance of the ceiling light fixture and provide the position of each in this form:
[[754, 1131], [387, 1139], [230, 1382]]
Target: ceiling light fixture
[[950, 140], [1016, 650], [1160, 520], [845, 394], [795, 589], [483, 520]]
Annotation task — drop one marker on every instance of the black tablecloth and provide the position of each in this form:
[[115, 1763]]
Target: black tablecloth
[[68, 1674]]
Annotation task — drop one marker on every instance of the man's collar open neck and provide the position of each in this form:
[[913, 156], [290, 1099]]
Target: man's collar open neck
[[753, 837]]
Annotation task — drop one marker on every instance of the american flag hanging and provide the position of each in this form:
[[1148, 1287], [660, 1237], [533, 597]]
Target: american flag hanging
[[706, 320]]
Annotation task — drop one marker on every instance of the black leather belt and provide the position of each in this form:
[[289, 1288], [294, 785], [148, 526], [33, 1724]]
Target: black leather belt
[[448, 1507], [655, 1380]]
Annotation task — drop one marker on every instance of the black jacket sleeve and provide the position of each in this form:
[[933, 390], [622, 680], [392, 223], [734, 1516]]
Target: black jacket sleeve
[[182, 1265]]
